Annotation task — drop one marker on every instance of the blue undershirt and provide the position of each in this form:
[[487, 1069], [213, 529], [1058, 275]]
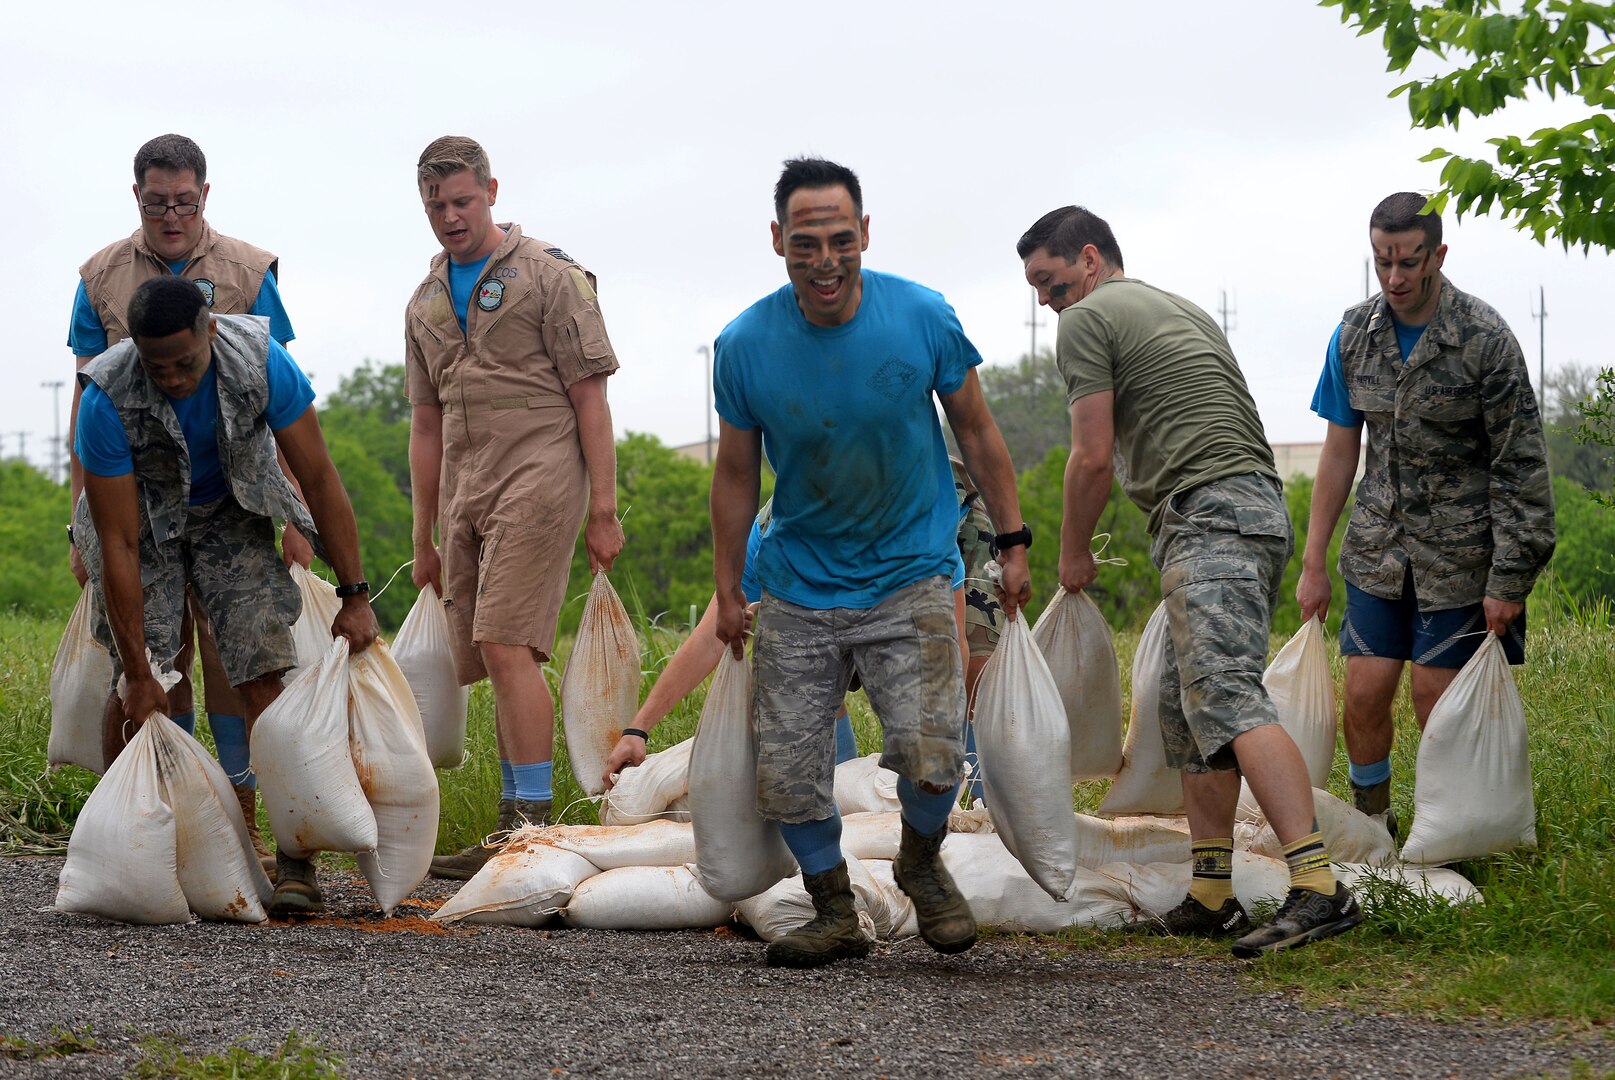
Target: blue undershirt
[[87, 337], [1330, 400], [463, 278]]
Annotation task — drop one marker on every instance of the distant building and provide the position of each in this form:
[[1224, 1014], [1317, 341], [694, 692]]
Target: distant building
[[703, 451]]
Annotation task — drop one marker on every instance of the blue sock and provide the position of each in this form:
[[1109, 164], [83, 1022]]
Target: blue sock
[[846, 743], [507, 780], [1365, 776], [816, 844], [230, 737], [925, 812], [533, 781], [186, 721]]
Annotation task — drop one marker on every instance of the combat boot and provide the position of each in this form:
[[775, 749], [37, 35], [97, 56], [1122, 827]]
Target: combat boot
[[1375, 801], [513, 813], [248, 798], [832, 934], [943, 913], [297, 887]]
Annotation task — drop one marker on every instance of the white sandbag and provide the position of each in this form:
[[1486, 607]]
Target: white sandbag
[[1131, 839], [304, 765], [1146, 784], [1076, 643], [123, 855], [863, 787], [1023, 741], [900, 915], [644, 898], [976, 819], [389, 756], [525, 884], [787, 905], [80, 682], [217, 868], [872, 836], [1001, 894], [1472, 792], [738, 852], [425, 654], [1153, 889], [1303, 692], [650, 789], [600, 689], [1426, 882], [652, 843], [311, 633], [1349, 835]]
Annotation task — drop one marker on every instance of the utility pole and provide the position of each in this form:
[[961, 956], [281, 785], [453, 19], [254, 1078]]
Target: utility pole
[[22, 446], [706, 351], [1034, 323], [1541, 317], [1224, 310], [55, 386]]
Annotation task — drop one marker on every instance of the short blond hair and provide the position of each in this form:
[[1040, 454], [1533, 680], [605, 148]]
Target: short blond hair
[[444, 157]]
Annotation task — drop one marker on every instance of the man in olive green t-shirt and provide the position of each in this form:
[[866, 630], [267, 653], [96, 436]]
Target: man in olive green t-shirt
[[1150, 373]]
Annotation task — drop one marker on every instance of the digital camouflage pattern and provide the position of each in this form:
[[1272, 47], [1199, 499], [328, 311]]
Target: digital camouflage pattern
[[1456, 482], [1221, 549], [984, 617]]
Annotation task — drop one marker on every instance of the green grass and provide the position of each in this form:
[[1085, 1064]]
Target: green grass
[[62, 1042], [165, 1058]]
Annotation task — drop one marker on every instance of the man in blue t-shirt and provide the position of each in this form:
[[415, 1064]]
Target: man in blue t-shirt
[[836, 377]]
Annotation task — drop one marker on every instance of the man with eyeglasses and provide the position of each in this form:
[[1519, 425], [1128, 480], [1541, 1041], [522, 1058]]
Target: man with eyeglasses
[[235, 278]]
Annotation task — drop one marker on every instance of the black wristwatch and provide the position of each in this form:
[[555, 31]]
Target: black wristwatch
[[1021, 537], [356, 589]]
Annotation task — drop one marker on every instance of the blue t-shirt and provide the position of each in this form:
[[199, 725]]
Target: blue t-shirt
[[462, 280], [87, 337], [1330, 400], [864, 502], [103, 446], [752, 589]]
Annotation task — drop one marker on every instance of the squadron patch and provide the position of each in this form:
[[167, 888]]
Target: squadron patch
[[559, 254], [491, 295], [206, 287]]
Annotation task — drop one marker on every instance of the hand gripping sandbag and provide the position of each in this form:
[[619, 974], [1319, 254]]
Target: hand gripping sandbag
[[311, 633], [1303, 693], [1146, 784], [389, 755], [1024, 743], [738, 853], [305, 771], [1472, 793], [600, 689], [649, 790], [80, 680], [1075, 642], [426, 657]]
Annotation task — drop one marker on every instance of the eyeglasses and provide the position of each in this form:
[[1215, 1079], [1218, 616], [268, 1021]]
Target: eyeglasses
[[160, 210]]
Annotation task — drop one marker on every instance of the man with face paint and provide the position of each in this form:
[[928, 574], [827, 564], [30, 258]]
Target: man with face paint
[[836, 376], [1454, 514]]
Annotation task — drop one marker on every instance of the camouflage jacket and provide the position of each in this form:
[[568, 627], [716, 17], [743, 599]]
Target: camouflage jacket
[[1456, 483], [162, 462]]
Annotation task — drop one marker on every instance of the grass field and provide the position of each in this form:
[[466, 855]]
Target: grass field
[[1542, 945]]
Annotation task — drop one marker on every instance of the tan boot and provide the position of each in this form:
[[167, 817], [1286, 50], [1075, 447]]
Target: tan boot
[[944, 914], [513, 813], [832, 934], [248, 798]]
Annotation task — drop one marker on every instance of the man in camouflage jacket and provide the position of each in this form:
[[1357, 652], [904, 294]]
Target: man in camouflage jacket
[[1454, 514]]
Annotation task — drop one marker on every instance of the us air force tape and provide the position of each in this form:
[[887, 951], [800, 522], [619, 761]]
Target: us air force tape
[[491, 295], [206, 286]]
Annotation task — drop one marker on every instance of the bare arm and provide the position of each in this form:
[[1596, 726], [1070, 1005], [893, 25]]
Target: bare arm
[[294, 546], [1088, 473], [425, 481], [602, 536], [115, 510], [304, 447], [1337, 467], [736, 476], [75, 469], [987, 461]]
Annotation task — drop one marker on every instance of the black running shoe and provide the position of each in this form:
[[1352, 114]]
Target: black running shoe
[[1306, 917], [1191, 918]]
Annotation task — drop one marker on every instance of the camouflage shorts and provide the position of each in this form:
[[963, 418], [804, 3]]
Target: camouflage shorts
[[1221, 550], [983, 615], [905, 649], [228, 557]]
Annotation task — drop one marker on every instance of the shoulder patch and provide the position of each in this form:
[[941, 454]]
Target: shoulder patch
[[559, 254], [581, 280]]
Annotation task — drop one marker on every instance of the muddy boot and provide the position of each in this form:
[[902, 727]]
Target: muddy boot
[[297, 889], [944, 915], [513, 813], [248, 798], [833, 934], [1375, 801]]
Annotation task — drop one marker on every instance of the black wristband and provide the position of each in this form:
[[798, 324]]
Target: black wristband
[[70, 540], [635, 731], [356, 589], [1021, 537]]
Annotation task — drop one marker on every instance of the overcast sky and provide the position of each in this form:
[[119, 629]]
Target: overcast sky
[[1236, 146]]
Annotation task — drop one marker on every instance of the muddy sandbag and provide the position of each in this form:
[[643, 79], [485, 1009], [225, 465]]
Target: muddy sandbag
[[651, 789], [651, 843], [1349, 834], [80, 681], [1146, 784], [644, 898], [863, 787], [787, 905], [600, 689], [218, 869], [1140, 839], [872, 836], [1076, 643], [524, 884], [1150, 890], [311, 633], [1002, 895], [1376, 884], [424, 651], [1303, 692]]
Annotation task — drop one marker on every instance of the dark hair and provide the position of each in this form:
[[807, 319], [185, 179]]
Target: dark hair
[[1066, 231], [166, 305], [1403, 212], [812, 173], [175, 153]]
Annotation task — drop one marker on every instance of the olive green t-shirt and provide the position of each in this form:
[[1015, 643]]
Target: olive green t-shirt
[[1183, 414]]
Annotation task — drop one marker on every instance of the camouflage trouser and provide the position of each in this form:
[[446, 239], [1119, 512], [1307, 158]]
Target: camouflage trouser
[[228, 558], [983, 616], [905, 649], [1221, 550]]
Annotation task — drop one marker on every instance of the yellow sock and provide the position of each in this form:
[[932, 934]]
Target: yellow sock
[[1213, 880], [1309, 865]]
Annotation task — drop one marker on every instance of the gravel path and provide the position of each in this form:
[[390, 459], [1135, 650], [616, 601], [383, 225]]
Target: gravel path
[[415, 1001]]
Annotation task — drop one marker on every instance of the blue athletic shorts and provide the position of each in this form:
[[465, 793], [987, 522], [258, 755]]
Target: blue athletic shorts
[[1398, 630]]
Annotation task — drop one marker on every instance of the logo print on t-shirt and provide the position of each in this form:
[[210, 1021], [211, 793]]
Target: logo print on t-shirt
[[206, 286], [491, 295], [893, 378]]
